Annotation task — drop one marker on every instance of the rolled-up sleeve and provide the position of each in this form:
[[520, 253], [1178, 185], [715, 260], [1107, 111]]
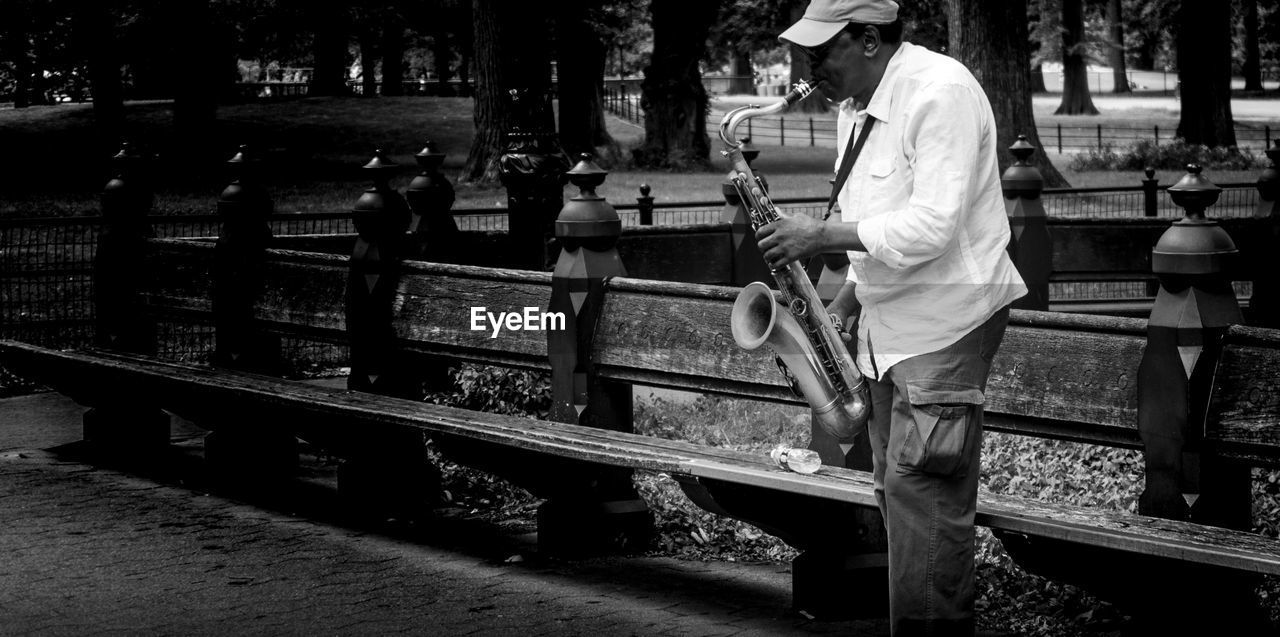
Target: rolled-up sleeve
[[942, 131]]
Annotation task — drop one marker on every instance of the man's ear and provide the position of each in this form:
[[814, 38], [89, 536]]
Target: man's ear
[[870, 40]]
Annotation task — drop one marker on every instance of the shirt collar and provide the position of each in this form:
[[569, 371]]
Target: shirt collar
[[882, 100]]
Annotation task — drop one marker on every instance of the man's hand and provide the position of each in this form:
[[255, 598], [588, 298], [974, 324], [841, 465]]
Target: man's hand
[[791, 237], [846, 308]]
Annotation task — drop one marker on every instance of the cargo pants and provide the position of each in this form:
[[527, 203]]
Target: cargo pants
[[926, 438]]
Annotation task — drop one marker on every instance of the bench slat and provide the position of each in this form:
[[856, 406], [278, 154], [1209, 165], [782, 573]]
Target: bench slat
[[358, 414]]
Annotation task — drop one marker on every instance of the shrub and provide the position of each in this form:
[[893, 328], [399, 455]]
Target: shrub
[[1170, 155], [499, 390]]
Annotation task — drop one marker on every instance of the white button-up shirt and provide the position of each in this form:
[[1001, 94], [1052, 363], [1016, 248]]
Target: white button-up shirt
[[926, 193]]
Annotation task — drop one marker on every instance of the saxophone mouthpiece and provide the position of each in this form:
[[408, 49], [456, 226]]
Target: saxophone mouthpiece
[[801, 90]]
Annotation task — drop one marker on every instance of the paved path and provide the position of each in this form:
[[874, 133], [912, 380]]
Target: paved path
[[90, 550]]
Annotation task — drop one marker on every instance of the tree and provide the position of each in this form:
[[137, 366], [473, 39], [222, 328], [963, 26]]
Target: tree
[[1252, 67], [1075, 73], [580, 65], [510, 53], [1115, 47], [990, 38], [329, 51], [800, 69], [96, 26], [742, 28], [672, 96], [1204, 73]]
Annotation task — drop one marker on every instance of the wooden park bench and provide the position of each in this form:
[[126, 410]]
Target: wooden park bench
[[1057, 375]]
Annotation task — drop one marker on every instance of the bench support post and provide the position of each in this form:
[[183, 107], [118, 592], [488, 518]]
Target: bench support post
[[1184, 480], [124, 427], [1264, 303], [241, 448], [389, 476], [1030, 246], [1192, 312], [748, 264], [532, 169], [600, 510]]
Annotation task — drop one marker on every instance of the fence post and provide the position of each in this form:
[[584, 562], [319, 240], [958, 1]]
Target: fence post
[[646, 205], [123, 428], [1156, 130], [782, 131], [388, 475], [1184, 480], [1192, 312], [1099, 137], [1264, 303], [1059, 139], [1030, 245], [811, 140], [746, 264], [430, 197], [532, 168], [1150, 193], [240, 449], [592, 509]]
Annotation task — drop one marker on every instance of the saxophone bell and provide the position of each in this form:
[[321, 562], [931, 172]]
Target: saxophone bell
[[756, 320]]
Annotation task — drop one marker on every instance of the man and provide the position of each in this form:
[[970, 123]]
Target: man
[[929, 286]]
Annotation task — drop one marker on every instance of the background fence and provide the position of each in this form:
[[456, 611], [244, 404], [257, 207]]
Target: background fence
[[820, 132]]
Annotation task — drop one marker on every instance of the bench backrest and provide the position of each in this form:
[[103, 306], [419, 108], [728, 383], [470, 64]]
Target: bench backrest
[[1057, 375]]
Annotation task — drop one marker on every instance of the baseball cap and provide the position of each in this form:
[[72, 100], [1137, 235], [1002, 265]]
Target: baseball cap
[[825, 18]]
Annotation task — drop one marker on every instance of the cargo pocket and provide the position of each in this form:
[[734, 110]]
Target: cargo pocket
[[940, 436]]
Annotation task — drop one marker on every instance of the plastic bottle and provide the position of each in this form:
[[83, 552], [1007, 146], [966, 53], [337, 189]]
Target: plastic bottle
[[797, 460]]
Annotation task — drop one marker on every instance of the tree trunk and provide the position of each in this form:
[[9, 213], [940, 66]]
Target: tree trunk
[[990, 38], [96, 33], [1252, 55], [18, 50], [511, 52], [368, 63], [198, 41], [1204, 73], [672, 97], [1115, 48], [441, 56], [743, 82], [580, 61], [1037, 80], [800, 71], [329, 53], [1076, 99], [393, 54]]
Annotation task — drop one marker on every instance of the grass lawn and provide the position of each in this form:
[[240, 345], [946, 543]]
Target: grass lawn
[[315, 146]]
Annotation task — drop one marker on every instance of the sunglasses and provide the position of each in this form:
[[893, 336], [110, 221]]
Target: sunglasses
[[818, 54]]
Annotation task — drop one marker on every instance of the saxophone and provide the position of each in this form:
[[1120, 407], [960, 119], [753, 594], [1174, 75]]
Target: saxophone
[[805, 339]]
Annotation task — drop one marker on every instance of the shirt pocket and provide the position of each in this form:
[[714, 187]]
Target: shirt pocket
[[943, 432]]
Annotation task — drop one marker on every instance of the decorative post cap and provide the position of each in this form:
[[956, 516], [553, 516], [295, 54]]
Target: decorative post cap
[[1193, 244], [1022, 179], [380, 163], [1149, 172], [587, 215], [645, 190], [429, 158], [380, 170], [1195, 193]]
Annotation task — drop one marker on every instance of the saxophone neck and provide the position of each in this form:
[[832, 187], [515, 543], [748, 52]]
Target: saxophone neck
[[730, 122]]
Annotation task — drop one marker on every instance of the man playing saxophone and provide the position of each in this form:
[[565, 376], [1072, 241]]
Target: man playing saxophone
[[929, 284]]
